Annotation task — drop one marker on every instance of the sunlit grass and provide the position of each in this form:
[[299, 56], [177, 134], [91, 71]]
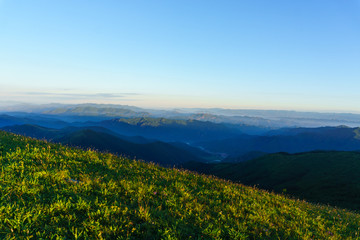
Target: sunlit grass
[[54, 192]]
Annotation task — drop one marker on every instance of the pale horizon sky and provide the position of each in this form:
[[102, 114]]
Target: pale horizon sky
[[293, 55]]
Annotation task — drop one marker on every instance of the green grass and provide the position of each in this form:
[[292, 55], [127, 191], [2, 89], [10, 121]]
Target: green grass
[[54, 192]]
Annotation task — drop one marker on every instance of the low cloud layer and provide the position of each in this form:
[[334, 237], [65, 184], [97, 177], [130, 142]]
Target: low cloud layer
[[67, 97], [80, 95]]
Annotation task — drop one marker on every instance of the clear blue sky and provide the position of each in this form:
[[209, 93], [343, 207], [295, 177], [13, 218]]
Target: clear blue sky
[[299, 55]]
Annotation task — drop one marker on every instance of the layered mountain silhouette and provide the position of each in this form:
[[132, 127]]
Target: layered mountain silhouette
[[291, 140], [169, 129], [172, 142]]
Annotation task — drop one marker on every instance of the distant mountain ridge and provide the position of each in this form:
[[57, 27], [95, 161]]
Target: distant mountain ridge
[[170, 129], [89, 110], [268, 119], [291, 140]]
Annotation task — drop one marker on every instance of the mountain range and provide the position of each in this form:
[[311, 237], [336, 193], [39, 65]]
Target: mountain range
[[295, 140], [267, 119], [264, 158]]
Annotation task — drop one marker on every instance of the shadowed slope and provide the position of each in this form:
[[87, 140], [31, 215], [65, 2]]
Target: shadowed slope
[[326, 177], [158, 152]]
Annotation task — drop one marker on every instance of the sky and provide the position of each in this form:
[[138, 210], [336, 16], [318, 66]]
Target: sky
[[249, 54]]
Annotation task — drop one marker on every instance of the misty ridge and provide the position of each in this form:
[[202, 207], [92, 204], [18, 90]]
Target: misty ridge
[[224, 132]]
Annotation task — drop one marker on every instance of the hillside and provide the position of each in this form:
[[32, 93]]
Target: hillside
[[50, 191], [35, 131], [157, 152], [323, 177], [24, 118], [39, 132], [105, 140]]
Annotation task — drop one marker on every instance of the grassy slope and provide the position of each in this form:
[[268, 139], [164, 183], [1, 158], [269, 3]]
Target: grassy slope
[[325, 177], [51, 191]]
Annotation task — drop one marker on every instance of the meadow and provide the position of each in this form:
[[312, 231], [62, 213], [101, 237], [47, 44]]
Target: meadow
[[50, 191]]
